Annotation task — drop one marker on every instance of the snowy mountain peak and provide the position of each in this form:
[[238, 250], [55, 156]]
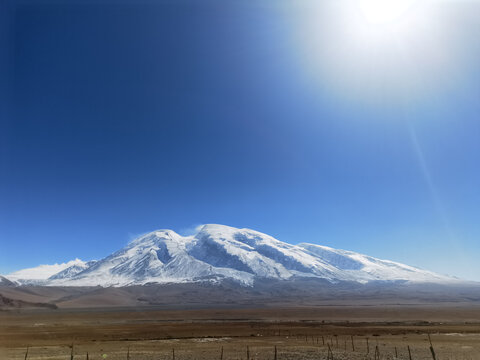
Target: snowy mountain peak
[[219, 252]]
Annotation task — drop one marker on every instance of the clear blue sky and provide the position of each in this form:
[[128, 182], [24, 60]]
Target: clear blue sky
[[118, 118]]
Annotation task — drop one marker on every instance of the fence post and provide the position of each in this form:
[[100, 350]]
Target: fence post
[[431, 348], [330, 353], [353, 345], [26, 354], [409, 353]]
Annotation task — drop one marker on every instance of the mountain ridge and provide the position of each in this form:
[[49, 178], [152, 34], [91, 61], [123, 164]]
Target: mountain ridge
[[219, 252]]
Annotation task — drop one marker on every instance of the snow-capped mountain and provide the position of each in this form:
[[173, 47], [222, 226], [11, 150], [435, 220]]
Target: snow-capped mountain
[[219, 252], [69, 272], [41, 273]]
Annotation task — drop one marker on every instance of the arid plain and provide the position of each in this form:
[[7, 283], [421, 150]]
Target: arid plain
[[324, 331]]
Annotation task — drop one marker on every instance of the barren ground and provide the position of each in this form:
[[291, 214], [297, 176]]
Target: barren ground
[[297, 332]]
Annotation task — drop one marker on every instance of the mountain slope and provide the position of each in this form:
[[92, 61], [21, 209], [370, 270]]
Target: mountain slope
[[218, 252], [5, 282]]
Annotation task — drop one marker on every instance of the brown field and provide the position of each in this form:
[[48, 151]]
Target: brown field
[[296, 332]]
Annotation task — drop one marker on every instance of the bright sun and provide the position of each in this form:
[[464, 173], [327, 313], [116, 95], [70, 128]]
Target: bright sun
[[376, 51], [384, 11]]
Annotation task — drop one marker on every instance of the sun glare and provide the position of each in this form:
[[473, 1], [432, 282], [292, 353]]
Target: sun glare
[[384, 11], [376, 51]]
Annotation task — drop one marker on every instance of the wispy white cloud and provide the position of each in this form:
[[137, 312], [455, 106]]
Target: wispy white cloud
[[191, 230]]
